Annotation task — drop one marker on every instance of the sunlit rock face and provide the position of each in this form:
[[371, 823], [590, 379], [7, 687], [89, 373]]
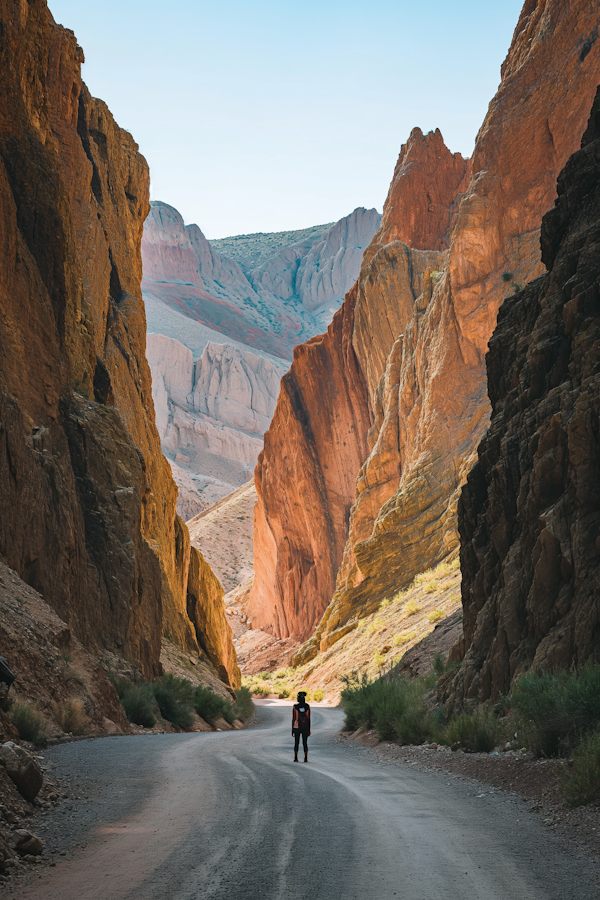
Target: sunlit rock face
[[420, 333], [306, 478], [88, 500], [529, 515]]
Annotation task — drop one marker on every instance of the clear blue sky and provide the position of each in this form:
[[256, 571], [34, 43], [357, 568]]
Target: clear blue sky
[[258, 115]]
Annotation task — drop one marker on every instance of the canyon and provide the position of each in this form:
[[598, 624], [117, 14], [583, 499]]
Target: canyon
[[378, 421], [221, 335], [89, 519], [529, 515]]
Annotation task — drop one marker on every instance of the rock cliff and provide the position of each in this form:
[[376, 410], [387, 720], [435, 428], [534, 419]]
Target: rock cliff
[[529, 516], [296, 563], [89, 501], [420, 332]]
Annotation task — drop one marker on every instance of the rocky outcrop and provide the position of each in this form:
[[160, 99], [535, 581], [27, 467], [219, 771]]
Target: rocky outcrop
[[423, 367], [427, 185], [91, 521], [286, 299], [529, 516], [22, 768]]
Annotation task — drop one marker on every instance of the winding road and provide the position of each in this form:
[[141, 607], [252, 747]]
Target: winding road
[[229, 816]]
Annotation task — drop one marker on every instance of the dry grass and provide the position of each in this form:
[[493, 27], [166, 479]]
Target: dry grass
[[411, 608], [71, 716], [436, 615], [404, 637]]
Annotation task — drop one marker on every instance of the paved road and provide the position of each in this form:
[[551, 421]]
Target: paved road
[[229, 816]]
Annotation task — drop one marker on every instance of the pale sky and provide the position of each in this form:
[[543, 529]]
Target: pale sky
[[268, 116]]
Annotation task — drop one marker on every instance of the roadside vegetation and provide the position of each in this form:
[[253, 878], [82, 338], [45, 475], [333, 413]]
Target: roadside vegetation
[[550, 715], [27, 722], [176, 700]]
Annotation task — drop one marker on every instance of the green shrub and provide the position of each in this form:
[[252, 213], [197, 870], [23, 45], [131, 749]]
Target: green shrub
[[582, 785], [478, 732], [397, 708], [318, 695], [243, 707], [122, 685], [172, 695], [28, 723], [555, 711], [211, 706], [138, 702]]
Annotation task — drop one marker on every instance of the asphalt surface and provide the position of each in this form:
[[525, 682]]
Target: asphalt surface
[[229, 816]]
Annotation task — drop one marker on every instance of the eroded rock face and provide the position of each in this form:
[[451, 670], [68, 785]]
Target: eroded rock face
[[529, 516], [315, 443], [92, 523], [423, 369], [211, 415], [236, 388]]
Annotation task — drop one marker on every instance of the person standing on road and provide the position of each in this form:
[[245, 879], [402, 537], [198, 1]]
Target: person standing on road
[[301, 725]]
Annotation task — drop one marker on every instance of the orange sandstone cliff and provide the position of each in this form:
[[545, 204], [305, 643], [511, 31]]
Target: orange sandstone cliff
[[319, 437], [87, 500], [420, 332]]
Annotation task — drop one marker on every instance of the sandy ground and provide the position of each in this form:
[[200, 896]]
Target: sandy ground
[[230, 817]]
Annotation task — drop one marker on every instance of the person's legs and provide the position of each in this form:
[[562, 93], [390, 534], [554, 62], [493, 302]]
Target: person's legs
[[296, 744], [305, 745]]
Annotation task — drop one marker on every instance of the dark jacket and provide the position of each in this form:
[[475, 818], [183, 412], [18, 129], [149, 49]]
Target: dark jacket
[[301, 718]]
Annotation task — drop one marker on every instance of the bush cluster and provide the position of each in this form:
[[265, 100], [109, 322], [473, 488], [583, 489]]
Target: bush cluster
[[554, 712], [402, 709], [28, 723], [176, 699], [559, 715], [552, 715]]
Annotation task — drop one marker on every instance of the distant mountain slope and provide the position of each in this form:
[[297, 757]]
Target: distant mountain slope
[[251, 250], [289, 298], [251, 318]]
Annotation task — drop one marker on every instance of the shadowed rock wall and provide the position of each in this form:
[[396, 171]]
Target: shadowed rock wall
[[88, 503], [529, 516]]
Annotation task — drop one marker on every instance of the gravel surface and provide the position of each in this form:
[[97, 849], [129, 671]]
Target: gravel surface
[[229, 816]]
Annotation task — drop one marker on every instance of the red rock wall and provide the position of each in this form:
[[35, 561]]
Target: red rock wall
[[316, 441], [529, 516], [88, 500], [318, 438]]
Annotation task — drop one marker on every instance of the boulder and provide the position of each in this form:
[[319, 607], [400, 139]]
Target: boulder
[[22, 769], [27, 844]]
